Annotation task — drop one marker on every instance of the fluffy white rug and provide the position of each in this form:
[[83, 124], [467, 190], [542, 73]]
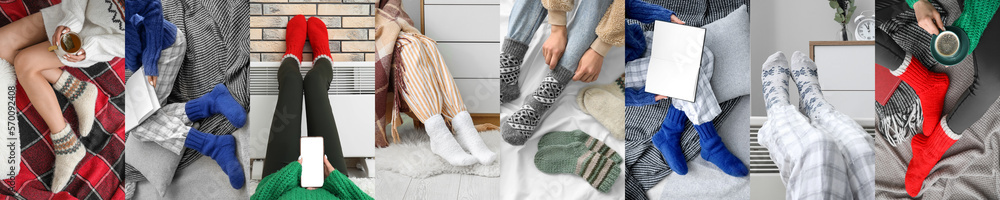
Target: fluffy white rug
[[413, 157]]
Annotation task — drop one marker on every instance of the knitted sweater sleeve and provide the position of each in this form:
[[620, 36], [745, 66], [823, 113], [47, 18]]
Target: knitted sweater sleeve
[[74, 13], [276, 184], [99, 48], [976, 14], [338, 185], [557, 10], [611, 29]]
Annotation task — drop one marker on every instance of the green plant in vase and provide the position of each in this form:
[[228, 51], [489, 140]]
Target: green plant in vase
[[845, 9]]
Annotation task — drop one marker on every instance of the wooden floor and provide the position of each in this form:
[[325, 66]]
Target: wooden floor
[[391, 185]]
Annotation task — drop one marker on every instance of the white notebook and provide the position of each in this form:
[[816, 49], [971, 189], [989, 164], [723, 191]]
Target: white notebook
[[675, 61]]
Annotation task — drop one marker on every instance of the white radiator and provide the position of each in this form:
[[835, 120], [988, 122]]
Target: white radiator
[[352, 97], [764, 179]]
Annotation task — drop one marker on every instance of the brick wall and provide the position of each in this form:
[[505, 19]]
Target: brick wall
[[350, 23]]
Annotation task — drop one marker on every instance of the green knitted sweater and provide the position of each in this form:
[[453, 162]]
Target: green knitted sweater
[[976, 14], [284, 184]]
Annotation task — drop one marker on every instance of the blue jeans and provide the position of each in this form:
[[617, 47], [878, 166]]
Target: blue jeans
[[528, 15]]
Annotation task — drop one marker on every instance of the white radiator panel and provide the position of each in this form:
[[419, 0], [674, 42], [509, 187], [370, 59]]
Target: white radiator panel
[[351, 98]]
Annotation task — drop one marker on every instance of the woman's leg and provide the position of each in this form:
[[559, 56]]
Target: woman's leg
[[525, 18], [423, 96], [286, 125], [521, 125], [20, 34], [319, 114], [36, 67], [454, 107]]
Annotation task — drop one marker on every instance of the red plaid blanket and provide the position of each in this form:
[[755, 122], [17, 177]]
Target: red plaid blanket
[[99, 175]]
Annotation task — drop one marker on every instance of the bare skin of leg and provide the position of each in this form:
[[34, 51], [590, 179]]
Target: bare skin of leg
[[35, 66]]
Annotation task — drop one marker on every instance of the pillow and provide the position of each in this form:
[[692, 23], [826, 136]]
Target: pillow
[[155, 163], [729, 39]]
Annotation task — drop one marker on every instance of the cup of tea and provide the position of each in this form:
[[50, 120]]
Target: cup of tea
[[950, 46], [69, 43]]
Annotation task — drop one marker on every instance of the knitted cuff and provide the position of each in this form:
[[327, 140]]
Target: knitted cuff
[[918, 76], [902, 66], [197, 140], [557, 18], [600, 47], [562, 75], [706, 130], [197, 109], [674, 117], [947, 130], [514, 48], [609, 180]]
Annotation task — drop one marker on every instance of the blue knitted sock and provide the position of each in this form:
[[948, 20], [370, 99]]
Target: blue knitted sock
[[668, 140], [218, 101], [713, 150], [635, 42], [222, 149], [646, 12]]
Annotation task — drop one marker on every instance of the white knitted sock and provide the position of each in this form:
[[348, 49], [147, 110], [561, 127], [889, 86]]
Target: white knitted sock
[[606, 103], [82, 95], [468, 137], [444, 144], [68, 152]]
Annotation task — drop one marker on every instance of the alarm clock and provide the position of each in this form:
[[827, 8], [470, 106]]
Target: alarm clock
[[864, 27]]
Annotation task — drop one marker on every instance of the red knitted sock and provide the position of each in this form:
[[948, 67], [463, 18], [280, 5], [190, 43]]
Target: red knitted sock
[[927, 151], [318, 38], [930, 87], [295, 37]]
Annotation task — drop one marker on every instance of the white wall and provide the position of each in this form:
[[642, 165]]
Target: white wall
[[788, 26]]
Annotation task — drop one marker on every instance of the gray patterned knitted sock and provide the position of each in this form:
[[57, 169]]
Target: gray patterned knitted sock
[[511, 56], [774, 77], [807, 80], [521, 125]]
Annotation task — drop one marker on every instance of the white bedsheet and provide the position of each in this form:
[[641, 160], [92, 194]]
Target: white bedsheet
[[519, 177]]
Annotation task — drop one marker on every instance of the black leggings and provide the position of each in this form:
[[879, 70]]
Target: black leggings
[[286, 126]]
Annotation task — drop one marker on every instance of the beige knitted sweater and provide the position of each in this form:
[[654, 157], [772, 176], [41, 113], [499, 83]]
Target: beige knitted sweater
[[610, 31]]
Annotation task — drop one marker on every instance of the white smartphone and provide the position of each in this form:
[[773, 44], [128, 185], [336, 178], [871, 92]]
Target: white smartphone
[[312, 161]]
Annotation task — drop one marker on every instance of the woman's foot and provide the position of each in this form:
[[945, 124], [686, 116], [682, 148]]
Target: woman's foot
[[469, 138], [444, 144], [83, 96], [318, 38], [295, 37], [222, 149], [69, 151], [218, 101]]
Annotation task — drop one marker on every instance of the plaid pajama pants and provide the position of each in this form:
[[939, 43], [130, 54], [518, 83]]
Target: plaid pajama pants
[[811, 162], [167, 127], [856, 146]]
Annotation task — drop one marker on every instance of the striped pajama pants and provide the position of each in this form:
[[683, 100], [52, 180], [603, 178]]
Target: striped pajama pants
[[429, 87]]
